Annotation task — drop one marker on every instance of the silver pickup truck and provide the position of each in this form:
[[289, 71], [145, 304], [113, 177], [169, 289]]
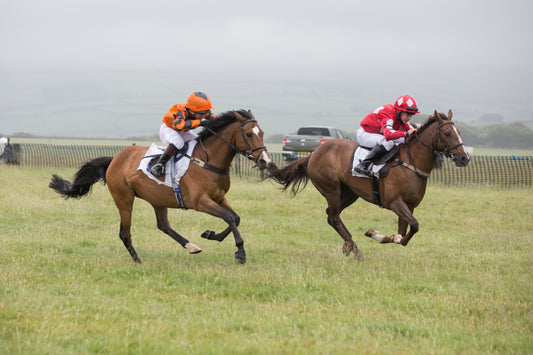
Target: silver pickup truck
[[307, 140]]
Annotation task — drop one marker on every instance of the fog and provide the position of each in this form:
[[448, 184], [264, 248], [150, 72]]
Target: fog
[[112, 69]]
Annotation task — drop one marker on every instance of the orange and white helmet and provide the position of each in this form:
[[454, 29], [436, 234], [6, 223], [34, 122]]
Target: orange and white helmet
[[199, 102], [406, 103]]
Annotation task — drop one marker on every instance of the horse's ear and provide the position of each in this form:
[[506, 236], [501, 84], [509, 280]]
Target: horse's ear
[[450, 115], [437, 117], [238, 116], [251, 114]]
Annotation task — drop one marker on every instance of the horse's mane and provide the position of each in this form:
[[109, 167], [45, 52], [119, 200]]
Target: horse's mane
[[428, 123], [223, 119]]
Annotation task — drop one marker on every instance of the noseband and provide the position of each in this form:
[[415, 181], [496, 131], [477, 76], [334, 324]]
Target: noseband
[[250, 150]]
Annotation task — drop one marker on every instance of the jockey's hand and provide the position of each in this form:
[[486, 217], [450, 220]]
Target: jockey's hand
[[412, 130], [203, 123]]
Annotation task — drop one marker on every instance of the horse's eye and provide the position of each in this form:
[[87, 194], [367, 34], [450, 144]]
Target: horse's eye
[[447, 134], [249, 135]]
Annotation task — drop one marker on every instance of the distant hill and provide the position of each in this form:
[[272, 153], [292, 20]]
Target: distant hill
[[512, 135]]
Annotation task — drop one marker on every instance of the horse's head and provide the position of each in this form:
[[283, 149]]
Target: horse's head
[[249, 140], [447, 139]]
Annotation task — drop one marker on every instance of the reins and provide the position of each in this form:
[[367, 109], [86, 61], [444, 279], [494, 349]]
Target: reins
[[249, 150], [411, 165]]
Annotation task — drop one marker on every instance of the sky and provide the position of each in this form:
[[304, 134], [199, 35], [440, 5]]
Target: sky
[[109, 68]]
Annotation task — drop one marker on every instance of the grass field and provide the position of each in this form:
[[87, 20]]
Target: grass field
[[67, 284]]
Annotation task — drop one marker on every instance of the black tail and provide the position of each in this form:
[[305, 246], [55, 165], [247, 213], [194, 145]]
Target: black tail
[[85, 178], [294, 174]]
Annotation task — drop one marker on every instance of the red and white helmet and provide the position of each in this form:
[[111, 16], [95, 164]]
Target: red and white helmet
[[406, 103]]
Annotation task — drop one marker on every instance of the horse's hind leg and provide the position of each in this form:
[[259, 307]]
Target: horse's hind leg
[[125, 228], [335, 207], [161, 214], [123, 198], [405, 215]]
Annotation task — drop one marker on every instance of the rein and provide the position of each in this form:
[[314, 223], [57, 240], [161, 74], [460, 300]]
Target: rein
[[249, 150]]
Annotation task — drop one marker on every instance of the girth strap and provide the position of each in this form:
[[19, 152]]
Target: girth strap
[[375, 190]]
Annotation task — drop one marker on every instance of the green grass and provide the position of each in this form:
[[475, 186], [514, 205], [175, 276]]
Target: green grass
[[68, 285]]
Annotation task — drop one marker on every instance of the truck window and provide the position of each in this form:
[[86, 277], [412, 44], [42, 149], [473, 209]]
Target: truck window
[[313, 131]]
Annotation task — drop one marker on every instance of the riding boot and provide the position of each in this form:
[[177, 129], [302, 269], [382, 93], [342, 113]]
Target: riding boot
[[158, 168], [364, 166]]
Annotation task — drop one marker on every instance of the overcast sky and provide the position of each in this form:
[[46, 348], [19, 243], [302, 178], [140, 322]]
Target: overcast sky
[[115, 64]]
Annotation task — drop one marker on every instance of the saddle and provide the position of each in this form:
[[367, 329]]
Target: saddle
[[175, 167], [179, 154], [380, 167]]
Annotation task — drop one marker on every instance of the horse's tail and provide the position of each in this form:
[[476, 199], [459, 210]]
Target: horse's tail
[[294, 174], [85, 178]]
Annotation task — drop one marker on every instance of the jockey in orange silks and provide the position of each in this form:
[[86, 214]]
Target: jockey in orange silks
[[177, 123]]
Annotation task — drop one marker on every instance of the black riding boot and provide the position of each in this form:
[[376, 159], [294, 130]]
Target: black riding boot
[[364, 166], [158, 168]]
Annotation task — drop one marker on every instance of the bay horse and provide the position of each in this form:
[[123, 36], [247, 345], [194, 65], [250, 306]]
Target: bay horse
[[329, 169], [203, 188]]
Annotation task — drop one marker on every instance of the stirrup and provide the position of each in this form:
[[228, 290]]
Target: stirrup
[[362, 171], [157, 170]]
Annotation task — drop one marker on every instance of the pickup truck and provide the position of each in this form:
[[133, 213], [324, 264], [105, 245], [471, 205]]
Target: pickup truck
[[307, 140]]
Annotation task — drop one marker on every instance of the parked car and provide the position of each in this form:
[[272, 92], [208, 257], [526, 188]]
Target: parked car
[[307, 140]]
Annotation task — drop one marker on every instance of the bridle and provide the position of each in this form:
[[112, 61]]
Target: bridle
[[249, 150], [446, 151]]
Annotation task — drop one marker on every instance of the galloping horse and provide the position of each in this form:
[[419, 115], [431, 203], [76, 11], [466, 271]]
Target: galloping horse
[[402, 189], [203, 188]]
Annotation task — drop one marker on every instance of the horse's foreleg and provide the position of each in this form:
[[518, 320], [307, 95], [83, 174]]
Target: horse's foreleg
[[402, 226], [405, 215], [376, 235], [163, 225], [211, 235], [231, 218]]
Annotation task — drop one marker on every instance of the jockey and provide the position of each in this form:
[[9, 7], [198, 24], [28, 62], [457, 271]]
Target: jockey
[[385, 128], [177, 123]]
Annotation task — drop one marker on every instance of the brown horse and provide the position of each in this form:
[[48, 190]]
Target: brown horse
[[402, 189], [203, 188]]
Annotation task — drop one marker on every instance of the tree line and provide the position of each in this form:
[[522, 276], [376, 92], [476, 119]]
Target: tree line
[[513, 135]]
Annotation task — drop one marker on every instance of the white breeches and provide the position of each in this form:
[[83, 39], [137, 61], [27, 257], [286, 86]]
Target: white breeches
[[176, 138], [370, 140]]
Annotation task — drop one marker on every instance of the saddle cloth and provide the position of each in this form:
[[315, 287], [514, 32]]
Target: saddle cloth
[[175, 168], [360, 154]]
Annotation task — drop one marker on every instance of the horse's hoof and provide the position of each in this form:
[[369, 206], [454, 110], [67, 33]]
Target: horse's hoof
[[192, 248], [241, 259], [358, 255], [347, 249], [208, 235], [369, 233]]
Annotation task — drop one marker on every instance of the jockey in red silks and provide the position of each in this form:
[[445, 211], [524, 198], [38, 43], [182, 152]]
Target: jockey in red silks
[[384, 128], [177, 123]]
